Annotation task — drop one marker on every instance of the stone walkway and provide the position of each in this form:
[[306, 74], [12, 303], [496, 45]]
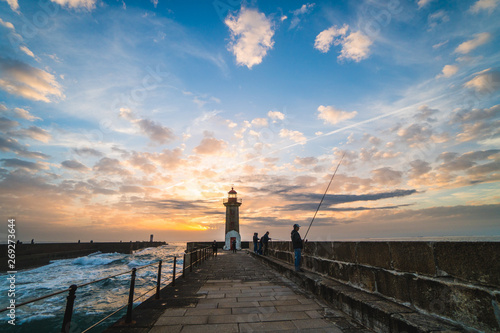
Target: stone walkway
[[241, 294]]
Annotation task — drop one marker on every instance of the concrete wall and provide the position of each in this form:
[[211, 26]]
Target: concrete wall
[[33, 255], [459, 281], [191, 246]]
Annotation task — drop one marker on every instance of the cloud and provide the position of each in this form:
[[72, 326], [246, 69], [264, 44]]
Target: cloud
[[477, 124], [6, 24], [448, 70], [7, 124], [424, 113], [35, 133], [24, 114], [325, 38], [74, 165], [423, 3], [75, 4], [14, 5], [387, 176], [27, 51], [251, 36], [333, 116], [110, 166], [153, 130], [419, 168], [276, 115], [10, 144], [17, 163], [488, 5], [438, 45], [88, 152], [306, 160], [23, 80], [485, 81], [437, 18], [260, 122], [415, 134], [474, 43], [455, 162], [210, 145], [355, 46], [304, 9], [293, 135]]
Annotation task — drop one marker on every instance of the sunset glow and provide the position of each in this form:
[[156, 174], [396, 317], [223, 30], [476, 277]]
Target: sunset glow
[[121, 119]]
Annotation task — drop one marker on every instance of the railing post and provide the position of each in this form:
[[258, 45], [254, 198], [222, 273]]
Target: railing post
[[190, 261], [173, 272], [128, 319], [158, 281], [184, 266], [68, 313]]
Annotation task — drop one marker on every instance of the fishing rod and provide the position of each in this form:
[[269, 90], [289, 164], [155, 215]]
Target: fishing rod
[[324, 194]]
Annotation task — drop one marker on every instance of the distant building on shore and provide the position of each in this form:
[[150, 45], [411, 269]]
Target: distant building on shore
[[232, 204]]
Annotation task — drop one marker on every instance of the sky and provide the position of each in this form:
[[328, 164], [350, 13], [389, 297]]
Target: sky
[[120, 119]]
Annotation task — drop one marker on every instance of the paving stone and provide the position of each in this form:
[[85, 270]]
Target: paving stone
[[239, 305], [312, 323], [293, 308], [286, 302], [207, 306], [278, 316], [177, 312], [214, 328], [256, 299], [218, 300], [239, 318], [260, 309], [165, 321], [201, 312], [216, 295], [268, 326], [166, 329]]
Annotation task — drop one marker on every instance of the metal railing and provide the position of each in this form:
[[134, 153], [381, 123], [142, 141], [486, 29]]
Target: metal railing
[[199, 256]]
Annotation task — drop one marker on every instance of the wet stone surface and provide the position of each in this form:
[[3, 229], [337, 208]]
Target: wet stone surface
[[238, 293]]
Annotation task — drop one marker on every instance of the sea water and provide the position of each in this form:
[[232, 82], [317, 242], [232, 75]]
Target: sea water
[[93, 302]]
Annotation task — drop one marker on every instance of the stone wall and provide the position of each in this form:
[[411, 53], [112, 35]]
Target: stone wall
[[459, 281]]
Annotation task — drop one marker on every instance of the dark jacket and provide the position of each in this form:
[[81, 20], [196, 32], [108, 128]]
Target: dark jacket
[[255, 239], [296, 240], [265, 239]]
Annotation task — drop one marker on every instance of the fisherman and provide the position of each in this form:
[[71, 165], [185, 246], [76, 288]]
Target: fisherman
[[214, 247], [265, 241], [234, 246], [255, 242], [298, 244]]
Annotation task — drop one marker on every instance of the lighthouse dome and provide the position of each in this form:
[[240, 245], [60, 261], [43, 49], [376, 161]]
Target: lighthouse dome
[[232, 191]]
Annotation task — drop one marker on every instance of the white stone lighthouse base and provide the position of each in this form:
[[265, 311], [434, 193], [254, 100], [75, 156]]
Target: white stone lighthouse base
[[230, 234]]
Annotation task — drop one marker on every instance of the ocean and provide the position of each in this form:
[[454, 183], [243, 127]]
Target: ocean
[[93, 302]]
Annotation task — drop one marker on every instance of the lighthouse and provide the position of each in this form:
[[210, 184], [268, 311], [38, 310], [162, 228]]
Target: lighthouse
[[232, 204]]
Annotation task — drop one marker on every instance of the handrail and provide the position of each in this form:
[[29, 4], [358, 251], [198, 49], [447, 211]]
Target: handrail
[[200, 255]]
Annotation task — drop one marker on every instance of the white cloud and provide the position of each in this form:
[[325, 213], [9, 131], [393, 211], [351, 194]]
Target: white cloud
[[27, 51], [355, 46], [23, 80], [304, 9], [14, 5], [259, 122], [485, 81], [472, 44], [331, 115], [155, 131], [293, 135], [488, 5], [7, 24], [276, 115], [448, 70], [87, 4], [325, 38], [423, 3], [438, 45], [251, 36], [210, 145]]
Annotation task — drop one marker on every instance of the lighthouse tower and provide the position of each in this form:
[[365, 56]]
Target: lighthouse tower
[[232, 204]]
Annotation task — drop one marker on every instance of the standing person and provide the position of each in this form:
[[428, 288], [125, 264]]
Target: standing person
[[255, 242], [260, 246], [265, 240], [214, 247], [234, 246], [297, 246]]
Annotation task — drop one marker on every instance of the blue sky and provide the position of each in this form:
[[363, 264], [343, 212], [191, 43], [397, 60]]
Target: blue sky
[[120, 119]]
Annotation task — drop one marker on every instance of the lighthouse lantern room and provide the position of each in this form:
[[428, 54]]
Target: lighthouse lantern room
[[232, 204]]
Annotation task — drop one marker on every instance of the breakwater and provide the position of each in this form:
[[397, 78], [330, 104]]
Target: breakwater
[[192, 246], [455, 281], [34, 255]]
